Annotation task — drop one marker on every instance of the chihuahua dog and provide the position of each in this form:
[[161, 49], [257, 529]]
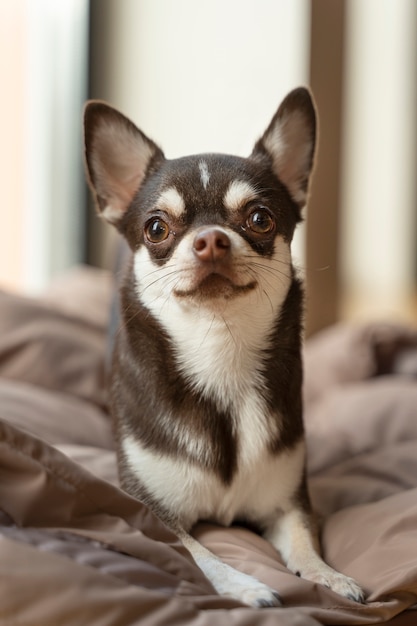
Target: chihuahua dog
[[207, 372]]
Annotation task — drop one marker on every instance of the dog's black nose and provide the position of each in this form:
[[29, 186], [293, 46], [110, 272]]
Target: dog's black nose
[[211, 244]]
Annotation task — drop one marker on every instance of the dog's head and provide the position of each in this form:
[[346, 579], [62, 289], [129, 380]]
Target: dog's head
[[205, 228]]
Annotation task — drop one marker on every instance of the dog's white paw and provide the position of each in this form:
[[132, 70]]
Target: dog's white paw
[[347, 587], [257, 595], [341, 584], [229, 582]]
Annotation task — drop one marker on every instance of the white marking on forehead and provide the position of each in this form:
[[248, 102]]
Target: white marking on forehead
[[238, 194], [171, 201], [204, 173]]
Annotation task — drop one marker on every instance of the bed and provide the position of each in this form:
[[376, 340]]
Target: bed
[[75, 549]]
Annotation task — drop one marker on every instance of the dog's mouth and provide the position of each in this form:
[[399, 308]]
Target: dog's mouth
[[215, 286]]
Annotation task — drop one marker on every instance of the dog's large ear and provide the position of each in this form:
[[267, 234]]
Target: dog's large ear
[[289, 141], [117, 156]]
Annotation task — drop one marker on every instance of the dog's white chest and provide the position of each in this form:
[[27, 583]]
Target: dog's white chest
[[191, 493], [222, 366], [219, 353]]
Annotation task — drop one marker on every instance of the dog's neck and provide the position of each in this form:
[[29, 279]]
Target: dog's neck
[[218, 348]]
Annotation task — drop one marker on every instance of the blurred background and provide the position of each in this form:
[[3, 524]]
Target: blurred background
[[208, 76]]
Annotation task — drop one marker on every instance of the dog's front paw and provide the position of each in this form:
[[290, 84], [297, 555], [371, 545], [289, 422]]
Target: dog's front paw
[[341, 584], [259, 595], [347, 587], [229, 582]]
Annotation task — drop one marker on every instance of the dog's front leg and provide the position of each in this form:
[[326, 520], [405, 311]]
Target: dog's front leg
[[295, 538], [226, 580]]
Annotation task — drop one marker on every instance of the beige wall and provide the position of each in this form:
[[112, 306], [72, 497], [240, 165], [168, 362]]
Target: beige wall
[[379, 194], [199, 76]]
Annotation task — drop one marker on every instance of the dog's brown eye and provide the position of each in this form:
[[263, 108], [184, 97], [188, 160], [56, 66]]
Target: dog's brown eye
[[157, 230], [261, 222]]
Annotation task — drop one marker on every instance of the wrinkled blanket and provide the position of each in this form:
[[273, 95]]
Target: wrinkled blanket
[[76, 550]]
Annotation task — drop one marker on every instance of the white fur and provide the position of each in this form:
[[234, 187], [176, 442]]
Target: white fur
[[219, 344], [293, 539], [204, 173], [228, 581], [238, 194], [194, 493], [171, 201]]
